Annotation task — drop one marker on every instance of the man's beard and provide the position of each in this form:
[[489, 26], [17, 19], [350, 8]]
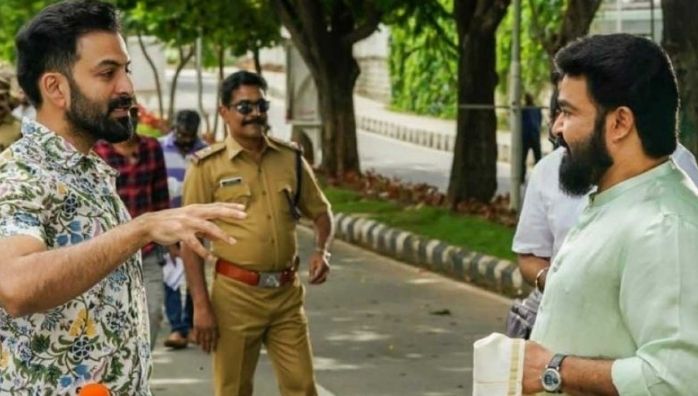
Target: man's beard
[[88, 118], [583, 168]]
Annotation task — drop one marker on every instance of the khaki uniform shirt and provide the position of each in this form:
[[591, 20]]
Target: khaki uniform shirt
[[10, 131], [266, 239]]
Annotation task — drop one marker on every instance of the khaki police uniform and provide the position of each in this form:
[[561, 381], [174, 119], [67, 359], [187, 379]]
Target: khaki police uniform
[[10, 131], [266, 241]]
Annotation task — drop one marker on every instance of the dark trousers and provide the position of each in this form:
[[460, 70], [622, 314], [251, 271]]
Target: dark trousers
[[180, 317], [529, 143]]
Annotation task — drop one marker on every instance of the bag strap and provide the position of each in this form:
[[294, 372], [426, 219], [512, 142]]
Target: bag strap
[[299, 176]]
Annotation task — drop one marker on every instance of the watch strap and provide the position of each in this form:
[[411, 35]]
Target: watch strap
[[556, 361]]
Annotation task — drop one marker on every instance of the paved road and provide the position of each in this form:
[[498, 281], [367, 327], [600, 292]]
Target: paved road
[[379, 327]]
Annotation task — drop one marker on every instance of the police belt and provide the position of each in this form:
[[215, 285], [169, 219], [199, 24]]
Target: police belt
[[256, 278]]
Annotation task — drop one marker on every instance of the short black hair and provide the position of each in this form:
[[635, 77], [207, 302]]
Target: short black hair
[[48, 42], [626, 70], [238, 79], [189, 119]]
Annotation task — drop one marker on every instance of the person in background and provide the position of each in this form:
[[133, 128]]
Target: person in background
[[177, 147], [257, 296], [531, 119]]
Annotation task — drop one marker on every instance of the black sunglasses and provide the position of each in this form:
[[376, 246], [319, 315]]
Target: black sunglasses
[[246, 107]]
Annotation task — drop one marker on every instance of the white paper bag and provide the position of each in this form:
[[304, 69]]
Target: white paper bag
[[498, 366]]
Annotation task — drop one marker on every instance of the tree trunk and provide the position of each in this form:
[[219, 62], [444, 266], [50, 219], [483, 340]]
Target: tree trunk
[[474, 169], [257, 64], [200, 85], [335, 83], [680, 40], [156, 75], [221, 65], [325, 38], [183, 59]]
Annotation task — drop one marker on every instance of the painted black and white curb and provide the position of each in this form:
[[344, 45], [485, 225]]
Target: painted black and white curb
[[498, 275]]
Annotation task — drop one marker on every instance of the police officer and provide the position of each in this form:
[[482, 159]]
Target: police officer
[[9, 126], [256, 296]]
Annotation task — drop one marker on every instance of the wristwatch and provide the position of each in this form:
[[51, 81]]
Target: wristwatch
[[551, 378]]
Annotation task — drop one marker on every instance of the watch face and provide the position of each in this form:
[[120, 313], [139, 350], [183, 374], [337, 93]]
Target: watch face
[[551, 380]]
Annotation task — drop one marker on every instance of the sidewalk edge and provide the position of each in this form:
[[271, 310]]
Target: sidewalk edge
[[491, 273]]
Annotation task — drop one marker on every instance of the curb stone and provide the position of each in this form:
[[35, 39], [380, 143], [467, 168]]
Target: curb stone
[[492, 273]]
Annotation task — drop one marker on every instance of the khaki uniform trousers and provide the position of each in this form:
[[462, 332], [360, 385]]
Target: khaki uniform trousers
[[248, 316]]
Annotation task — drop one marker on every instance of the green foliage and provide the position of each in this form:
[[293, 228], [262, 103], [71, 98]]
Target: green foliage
[[172, 22], [236, 25], [13, 15], [535, 62], [424, 62]]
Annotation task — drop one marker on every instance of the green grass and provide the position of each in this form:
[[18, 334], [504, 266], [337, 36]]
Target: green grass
[[469, 232]]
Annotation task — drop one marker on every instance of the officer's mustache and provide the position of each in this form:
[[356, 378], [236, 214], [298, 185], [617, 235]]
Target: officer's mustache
[[261, 121]]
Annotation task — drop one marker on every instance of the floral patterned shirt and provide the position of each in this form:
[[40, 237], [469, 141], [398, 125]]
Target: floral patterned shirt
[[51, 191]]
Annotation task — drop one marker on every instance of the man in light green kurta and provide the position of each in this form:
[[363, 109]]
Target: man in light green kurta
[[624, 284], [620, 310]]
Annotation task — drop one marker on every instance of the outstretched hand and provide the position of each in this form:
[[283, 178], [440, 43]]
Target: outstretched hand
[[189, 223]]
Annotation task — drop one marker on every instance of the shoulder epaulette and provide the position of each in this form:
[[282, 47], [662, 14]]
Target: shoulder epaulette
[[206, 152], [284, 143]]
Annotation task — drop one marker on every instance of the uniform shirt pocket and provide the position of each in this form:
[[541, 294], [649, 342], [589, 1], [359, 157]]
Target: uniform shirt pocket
[[237, 193]]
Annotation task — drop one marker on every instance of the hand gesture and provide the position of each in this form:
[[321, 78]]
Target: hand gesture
[[189, 223]]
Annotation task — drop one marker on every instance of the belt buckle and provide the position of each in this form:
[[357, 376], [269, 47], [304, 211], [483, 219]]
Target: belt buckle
[[269, 279]]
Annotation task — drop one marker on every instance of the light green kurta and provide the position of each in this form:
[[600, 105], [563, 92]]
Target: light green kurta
[[624, 285]]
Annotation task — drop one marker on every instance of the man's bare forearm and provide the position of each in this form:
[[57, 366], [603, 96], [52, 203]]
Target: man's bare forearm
[[196, 280], [35, 279], [324, 230], [585, 377], [530, 265]]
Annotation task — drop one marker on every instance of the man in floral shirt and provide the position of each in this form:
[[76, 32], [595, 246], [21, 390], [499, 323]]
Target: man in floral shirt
[[71, 297]]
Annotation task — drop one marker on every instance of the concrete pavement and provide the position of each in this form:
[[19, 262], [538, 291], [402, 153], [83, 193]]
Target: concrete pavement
[[378, 327]]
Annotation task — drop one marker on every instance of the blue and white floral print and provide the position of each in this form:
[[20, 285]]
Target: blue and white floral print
[[52, 192]]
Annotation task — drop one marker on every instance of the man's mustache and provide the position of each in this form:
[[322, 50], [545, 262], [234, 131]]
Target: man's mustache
[[262, 121], [122, 102]]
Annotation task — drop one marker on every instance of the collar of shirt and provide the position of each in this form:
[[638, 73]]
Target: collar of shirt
[[602, 198], [59, 151], [234, 148], [168, 144]]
